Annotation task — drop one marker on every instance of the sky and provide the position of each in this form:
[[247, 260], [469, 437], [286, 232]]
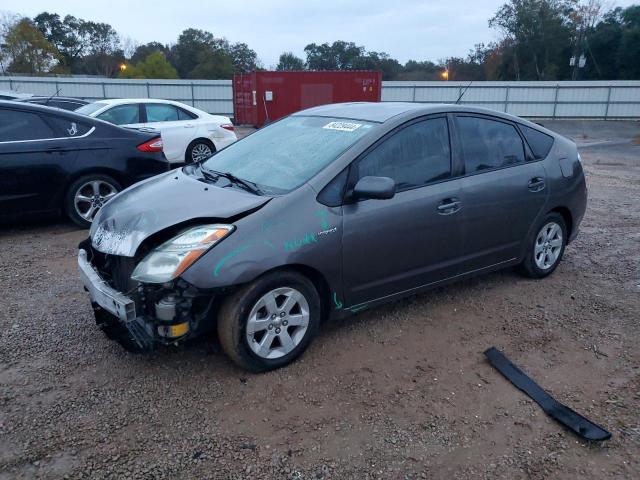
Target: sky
[[405, 29]]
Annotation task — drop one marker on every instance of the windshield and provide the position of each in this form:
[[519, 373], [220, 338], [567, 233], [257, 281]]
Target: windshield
[[283, 156], [89, 108]]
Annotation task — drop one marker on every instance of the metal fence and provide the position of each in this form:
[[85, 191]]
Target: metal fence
[[597, 100], [214, 96]]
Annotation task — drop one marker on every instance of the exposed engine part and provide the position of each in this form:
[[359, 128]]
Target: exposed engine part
[[166, 308]]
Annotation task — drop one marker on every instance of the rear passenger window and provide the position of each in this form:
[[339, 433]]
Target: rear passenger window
[[16, 125], [158, 112], [488, 144], [65, 127], [122, 114], [414, 156], [540, 143]]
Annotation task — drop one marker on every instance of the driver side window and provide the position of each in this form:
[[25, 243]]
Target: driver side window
[[415, 156]]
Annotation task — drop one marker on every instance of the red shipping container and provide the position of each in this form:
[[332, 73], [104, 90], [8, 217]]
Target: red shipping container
[[261, 97]]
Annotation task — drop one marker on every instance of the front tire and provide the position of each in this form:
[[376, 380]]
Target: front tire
[[199, 150], [87, 195], [270, 322], [546, 247]]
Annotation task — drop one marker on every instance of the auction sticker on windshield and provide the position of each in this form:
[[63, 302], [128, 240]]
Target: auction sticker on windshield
[[342, 126]]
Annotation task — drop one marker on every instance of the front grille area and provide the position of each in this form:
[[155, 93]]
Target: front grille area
[[114, 269]]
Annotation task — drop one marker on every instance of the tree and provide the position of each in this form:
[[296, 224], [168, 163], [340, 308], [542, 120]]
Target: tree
[[244, 59], [143, 51], [540, 35], [339, 55], [154, 66], [628, 58], [289, 62], [198, 54], [85, 46], [26, 49]]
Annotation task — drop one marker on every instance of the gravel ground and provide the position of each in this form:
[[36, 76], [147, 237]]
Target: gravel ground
[[401, 391]]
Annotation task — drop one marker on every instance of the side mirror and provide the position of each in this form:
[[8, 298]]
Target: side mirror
[[379, 188]]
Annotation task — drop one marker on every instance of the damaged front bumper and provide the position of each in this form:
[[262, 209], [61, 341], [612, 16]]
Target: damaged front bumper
[[147, 315]]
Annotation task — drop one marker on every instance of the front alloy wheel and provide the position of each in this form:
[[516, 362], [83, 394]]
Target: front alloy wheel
[[269, 322], [277, 323]]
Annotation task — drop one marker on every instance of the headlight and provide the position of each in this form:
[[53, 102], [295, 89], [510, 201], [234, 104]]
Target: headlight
[[169, 260]]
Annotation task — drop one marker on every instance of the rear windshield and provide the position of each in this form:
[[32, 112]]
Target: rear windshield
[[288, 153], [539, 142], [89, 108]]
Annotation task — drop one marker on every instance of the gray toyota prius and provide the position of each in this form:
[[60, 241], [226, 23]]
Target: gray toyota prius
[[325, 213]]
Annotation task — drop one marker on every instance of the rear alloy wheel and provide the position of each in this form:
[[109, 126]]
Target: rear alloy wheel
[[199, 150], [545, 250], [87, 195], [270, 322]]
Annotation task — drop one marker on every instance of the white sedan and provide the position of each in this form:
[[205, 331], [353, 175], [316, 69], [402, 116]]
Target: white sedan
[[188, 134]]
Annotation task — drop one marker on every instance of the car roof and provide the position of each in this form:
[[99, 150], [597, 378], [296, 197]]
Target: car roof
[[38, 107], [384, 111], [118, 101], [55, 97]]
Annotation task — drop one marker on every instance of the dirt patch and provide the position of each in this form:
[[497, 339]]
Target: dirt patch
[[401, 391]]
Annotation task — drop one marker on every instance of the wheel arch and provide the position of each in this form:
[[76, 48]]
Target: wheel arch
[[566, 216], [315, 276]]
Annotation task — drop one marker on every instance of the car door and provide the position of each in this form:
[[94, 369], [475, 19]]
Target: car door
[[177, 130], [503, 189], [414, 238], [33, 160]]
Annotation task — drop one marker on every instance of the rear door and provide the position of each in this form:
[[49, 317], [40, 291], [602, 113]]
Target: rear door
[[503, 189], [34, 157], [177, 129], [414, 238]]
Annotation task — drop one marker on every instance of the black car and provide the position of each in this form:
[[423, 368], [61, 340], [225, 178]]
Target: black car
[[65, 103], [52, 160]]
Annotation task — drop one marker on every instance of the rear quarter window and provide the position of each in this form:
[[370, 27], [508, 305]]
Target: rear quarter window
[[540, 143], [65, 127]]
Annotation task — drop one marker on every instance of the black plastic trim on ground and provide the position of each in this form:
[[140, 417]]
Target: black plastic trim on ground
[[556, 410]]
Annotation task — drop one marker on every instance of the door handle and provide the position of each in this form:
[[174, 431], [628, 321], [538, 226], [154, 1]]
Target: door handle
[[188, 126], [449, 206], [536, 184]]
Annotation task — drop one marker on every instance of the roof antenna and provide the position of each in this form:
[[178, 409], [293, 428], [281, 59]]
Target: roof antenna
[[463, 92], [54, 95]]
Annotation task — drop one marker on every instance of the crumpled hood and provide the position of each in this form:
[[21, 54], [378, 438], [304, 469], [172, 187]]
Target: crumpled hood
[[161, 202]]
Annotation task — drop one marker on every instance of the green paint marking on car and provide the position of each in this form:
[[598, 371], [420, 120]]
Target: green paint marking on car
[[296, 243], [228, 256], [324, 223], [358, 309], [337, 302]]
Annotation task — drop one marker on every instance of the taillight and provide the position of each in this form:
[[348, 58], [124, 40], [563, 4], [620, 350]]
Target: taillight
[[228, 126], [153, 145]]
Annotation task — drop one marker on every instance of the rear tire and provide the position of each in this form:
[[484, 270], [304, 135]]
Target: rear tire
[[546, 247], [270, 322], [87, 195], [198, 150]]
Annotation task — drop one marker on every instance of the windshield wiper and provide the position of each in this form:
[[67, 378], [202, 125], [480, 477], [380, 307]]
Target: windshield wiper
[[245, 184]]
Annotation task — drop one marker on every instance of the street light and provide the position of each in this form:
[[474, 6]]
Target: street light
[[445, 75], [123, 67]]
